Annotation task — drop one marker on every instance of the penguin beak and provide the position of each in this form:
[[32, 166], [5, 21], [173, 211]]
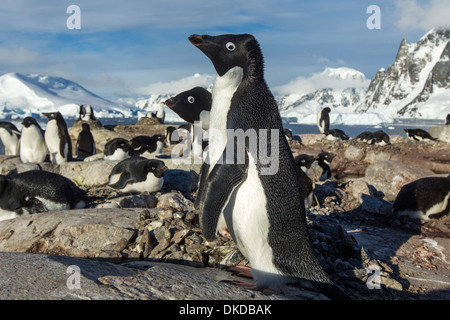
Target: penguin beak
[[196, 39], [169, 102]]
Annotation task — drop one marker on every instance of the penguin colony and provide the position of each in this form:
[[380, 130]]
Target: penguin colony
[[271, 230]]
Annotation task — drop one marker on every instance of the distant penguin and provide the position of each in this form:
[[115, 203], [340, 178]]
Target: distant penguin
[[159, 138], [192, 105], [324, 160], [85, 142], [323, 120], [447, 120], [304, 162], [142, 144], [418, 135], [364, 136], [118, 149], [10, 135], [137, 175], [288, 134], [161, 113], [37, 191], [32, 146], [168, 134], [57, 138], [86, 113], [336, 134], [424, 199], [379, 137], [268, 226]]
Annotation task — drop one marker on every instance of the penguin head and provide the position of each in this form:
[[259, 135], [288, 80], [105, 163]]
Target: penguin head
[[28, 121], [142, 144], [304, 160], [157, 167], [52, 115], [123, 144], [189, 104], [327, 157], [159, 137], [287, 133], [326, 110], [85, 126], [229, 51]]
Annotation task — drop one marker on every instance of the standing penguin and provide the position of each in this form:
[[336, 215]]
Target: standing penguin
[[10, 135], [304, 162], [57, 138], [85, 142], [447, 120], [161, 113], [37, 191], [32, 146], [324, 160], [267, 223], [192, 105], [323, 120]]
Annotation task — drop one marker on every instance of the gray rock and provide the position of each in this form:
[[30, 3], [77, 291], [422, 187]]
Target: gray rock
[[442, 133], [354, 153]]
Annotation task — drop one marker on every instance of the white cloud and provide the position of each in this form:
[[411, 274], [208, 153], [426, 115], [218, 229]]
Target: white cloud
[[423, 16], [177, 86]]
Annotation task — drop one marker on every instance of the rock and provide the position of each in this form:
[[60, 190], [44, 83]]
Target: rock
[[87, 174], [354, 153], [375, 205], [310, 139], [442, 133], [89, 233], [147, 121], [135, 201], [28, 276], [390, 176], [174, 201]]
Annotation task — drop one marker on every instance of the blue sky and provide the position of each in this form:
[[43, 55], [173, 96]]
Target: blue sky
[[123, 46]]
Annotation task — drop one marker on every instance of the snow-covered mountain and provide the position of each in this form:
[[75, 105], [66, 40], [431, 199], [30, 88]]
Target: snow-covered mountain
[[24, 95], [417, 84], [341, 89]]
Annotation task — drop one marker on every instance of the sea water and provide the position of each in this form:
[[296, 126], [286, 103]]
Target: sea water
[[395, 128]]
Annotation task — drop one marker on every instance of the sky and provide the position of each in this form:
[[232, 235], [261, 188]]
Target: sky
[[123, 47]]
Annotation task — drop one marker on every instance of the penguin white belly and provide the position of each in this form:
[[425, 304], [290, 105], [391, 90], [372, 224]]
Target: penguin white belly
[[223, 91], [32, 146], [9, 141], [425, 216], [150, 184], [6, 215], [52, 141], [247, 207], [118, 155], [53, 206]]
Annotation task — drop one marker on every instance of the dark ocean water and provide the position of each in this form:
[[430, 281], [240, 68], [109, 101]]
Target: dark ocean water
[[395, 128]]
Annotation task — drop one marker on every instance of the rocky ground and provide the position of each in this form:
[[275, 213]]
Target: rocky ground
[[150, 246]]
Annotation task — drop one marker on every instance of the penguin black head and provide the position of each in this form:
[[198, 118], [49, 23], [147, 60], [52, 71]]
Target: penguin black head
[[157, 167], [287, 133], [326, 110], [304, 160], [189, 104], [143, 143], [326, 157], [229, 51], [28, 121], [159, 137], [85, 127], [53, 116]]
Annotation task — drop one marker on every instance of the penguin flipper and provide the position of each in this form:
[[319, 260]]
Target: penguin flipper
[[201, 182], [221, 182], [124, 179]]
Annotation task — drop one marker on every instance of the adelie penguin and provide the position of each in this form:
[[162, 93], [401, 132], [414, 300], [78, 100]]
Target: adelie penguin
[[118, 149], [418, 135], [447, 120], [323, 120], [336, 134], [57, 138], [10, 136], [85, 142], [147, 146], [423, 199], [37, 191], [137, 175], [304, 163], [267, 223], [32, 146], [324, 160]]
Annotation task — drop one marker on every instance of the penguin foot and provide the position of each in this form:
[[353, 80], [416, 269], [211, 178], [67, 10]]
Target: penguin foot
[[242, 271]]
